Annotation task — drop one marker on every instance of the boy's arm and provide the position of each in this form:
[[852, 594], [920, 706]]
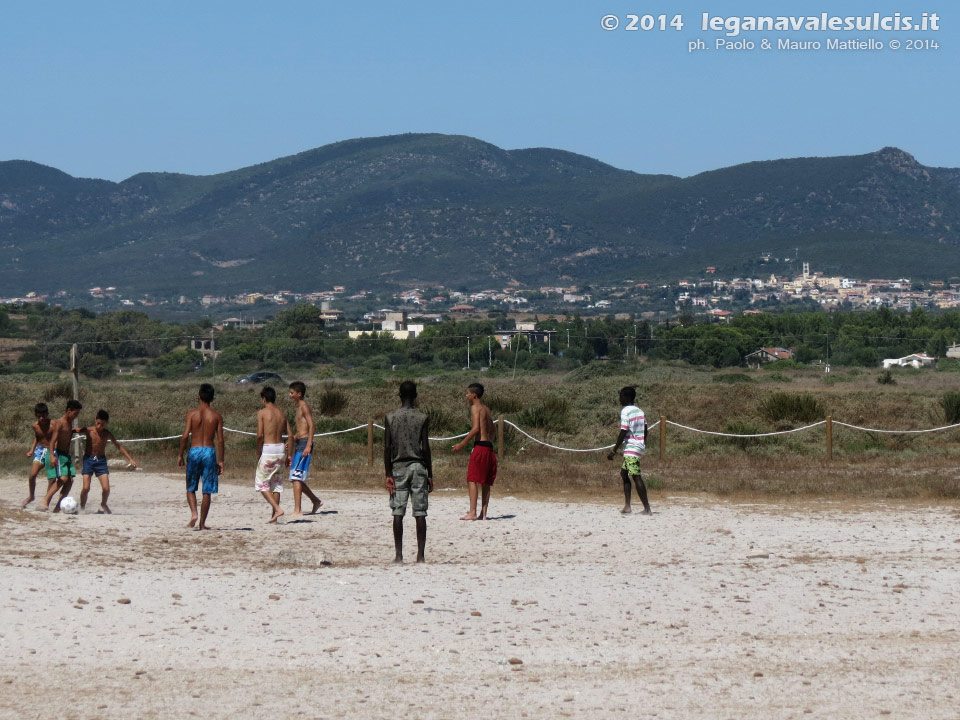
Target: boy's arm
[[220, 442], [260, 433], [388, 456], [474, 428], [183, 439], [308, 416], [425, 450], [620, 438], [37, 432], [121, 448], [291, 441]]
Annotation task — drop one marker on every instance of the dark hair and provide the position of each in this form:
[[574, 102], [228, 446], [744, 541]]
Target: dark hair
[[74, 405], [103, 415], [40, 408], [408, 390], [206, 393], [628, 394], [299, 387], [476, 389], [269, 394]]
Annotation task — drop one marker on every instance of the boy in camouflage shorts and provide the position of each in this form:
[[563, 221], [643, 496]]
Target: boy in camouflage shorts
[[408, 467], [633, 432]]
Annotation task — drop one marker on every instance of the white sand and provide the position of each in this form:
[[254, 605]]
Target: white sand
[[854, 614]]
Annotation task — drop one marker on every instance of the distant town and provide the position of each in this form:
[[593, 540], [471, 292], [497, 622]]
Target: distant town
[[709, 297]]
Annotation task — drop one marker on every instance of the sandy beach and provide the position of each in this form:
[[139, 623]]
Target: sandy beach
[[710, 608]]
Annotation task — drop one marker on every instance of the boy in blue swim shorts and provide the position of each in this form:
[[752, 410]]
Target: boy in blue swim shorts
[[301, 450], [95, 459], [41, 432], [203, 426]]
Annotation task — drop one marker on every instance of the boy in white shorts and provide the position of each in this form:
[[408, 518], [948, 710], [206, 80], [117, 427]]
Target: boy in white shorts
[[271, 424]]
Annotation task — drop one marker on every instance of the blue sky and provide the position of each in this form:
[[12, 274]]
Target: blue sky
[[110, 89]]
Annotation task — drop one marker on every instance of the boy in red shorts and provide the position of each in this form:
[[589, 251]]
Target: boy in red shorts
[[482, 470]]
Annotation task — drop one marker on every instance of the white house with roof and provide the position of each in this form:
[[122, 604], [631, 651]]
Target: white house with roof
[[916, 360]]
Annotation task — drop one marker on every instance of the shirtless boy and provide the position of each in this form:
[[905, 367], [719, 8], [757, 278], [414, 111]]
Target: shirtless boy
[[60, 471], [271, 425], [41, 432], [203, 426], [482, 469], [301, 449], [633, 437], [95, 459], [408, 466]]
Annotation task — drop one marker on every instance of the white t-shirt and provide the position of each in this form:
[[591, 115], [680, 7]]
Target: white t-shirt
[[633, 421]]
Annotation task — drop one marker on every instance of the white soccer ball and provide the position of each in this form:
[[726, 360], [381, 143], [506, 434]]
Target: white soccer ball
[[68, 505]]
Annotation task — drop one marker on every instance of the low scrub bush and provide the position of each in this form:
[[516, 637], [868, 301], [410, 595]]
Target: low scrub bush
[[333, 401], [790, 408], [950, 403], [733, 378]]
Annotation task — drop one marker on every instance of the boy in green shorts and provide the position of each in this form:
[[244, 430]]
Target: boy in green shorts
[[633, 437], [60, 470]]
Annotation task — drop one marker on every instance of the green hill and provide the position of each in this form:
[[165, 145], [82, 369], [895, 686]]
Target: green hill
[[412, 209]]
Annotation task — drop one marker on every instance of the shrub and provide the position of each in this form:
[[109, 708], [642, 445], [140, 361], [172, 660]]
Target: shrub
[[950, 402], [549, 415], [739, 427], [784, 407], [733, 378], [886, 378], [333, 401], [96, 366]]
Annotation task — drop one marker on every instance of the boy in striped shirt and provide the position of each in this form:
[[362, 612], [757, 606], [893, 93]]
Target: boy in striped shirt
[[633, 437]]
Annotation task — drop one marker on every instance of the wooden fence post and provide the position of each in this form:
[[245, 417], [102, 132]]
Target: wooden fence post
[[829, 438], [663, 438], [370, 442], [500, 439]]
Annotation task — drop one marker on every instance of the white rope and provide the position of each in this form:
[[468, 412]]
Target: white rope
[[737, 435], [899, 432], [555, 447], [434, 439], [169, 437], [323, 434]]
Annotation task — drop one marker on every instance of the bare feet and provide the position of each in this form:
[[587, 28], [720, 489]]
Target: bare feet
[[42, 508], [104, 509], [626, 510], [468, 516], [316, 506], [276, 515], [398, 560], [26, 502], [646, 511], [203, 527], [420, 559], [296, 513], [193, 521]]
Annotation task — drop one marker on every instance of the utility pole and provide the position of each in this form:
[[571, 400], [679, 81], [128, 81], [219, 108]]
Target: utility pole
[[489, 352], [468, 352], [213, 353]]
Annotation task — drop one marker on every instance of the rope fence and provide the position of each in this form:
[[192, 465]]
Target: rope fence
[[663, 422]]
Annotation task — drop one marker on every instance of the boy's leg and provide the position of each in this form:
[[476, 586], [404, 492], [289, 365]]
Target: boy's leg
[[484, 500], [642, 493], [398, 537], [472, 515], [192, 502], [317, 502], [274, 499], [32, 482], [421, 537], [626, 491], [85, 491], [204, 510], [104, 491]]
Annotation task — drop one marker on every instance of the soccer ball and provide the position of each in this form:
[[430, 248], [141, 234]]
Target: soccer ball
[[68, 505]]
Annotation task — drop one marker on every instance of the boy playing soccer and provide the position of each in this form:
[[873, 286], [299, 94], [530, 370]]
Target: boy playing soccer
[[408, 466], [633, 430], [271, 424], [41, 439], [482, 468], [60, 471], [301, 449], [95, 459], [203, 425]]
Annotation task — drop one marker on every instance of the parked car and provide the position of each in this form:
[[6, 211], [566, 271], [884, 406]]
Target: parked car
[[258, 377]]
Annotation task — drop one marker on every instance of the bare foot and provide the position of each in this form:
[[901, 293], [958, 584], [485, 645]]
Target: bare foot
[[42, 508], [202, 527], [296, 513], [104, 509], [26, 502], [420, 559], [626, 510], [57, 508], [398, 560], [646, 511], [316, 506], [276, 515], [193, 521], [468, 516]]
